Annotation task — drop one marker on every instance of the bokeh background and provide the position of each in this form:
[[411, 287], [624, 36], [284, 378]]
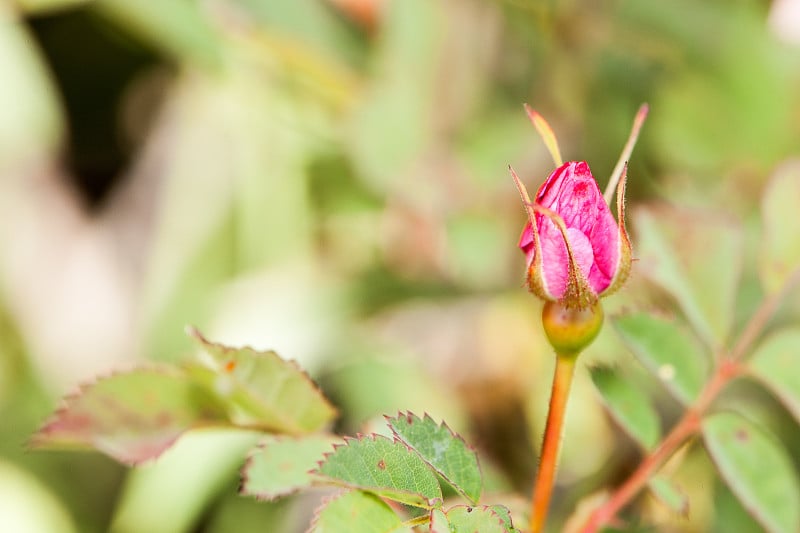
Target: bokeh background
[[328, 178]]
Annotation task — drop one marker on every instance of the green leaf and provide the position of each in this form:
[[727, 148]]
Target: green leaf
[[356, 512], [670, 353], [465, 519], [728, 510], [774, 364], [670, 495], [443, 450], [268, 391], [757, 469], [780, 247], [131, 417], [697, 257], [282, 465], [629, 406], [388, 468]]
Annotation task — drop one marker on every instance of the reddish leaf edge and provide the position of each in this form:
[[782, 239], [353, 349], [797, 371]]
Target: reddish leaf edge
[[38, 440]]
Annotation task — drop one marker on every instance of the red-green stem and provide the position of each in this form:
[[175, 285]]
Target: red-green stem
[[688, 425], [729, 367], [543, 486]]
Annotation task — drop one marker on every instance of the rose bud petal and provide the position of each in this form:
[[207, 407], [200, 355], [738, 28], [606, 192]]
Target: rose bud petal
[[575, 250]]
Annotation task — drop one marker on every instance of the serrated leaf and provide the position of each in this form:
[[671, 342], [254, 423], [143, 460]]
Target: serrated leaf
[[757, 469], [505, 516], [386, 467], [669, 495], [779, 256], [268, 391], [629, 406], [697, 257], [443, 450], [133, 416], [774, 364], [669, 352], [357, 512], [466, 519], [281, 465]]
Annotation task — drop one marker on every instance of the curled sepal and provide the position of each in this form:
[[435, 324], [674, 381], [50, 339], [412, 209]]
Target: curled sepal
[[627, 150], [625, 250], [530, 237], [546, 133]]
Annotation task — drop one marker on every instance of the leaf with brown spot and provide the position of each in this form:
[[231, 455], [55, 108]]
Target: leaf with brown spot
[[264, 389], [383, 466], [757, 469], [132, 416]]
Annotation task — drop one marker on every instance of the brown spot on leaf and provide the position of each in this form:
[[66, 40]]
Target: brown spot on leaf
[[230, 366], [741, 435], [382, 464]]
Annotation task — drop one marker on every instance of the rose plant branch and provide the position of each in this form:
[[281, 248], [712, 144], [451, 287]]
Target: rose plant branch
[[728, 368]]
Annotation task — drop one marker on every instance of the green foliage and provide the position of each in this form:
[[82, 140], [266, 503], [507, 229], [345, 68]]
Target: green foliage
[[132, 417], [357, 511], [263, 389], [775, 364], [629, 406], [281, 465], [388, 468], [137, 415], [461, 518], [668, 351], [779, 257], [672, 241], [404, 470], [757, 470], [442, 450]]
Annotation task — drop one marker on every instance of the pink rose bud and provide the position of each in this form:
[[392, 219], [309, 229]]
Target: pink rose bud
[[598, 258], [575, 250]]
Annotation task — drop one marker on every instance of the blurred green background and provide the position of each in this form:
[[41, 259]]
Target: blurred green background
[[328, 178]]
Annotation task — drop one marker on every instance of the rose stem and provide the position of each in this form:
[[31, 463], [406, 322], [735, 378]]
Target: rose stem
[[543, 485]]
